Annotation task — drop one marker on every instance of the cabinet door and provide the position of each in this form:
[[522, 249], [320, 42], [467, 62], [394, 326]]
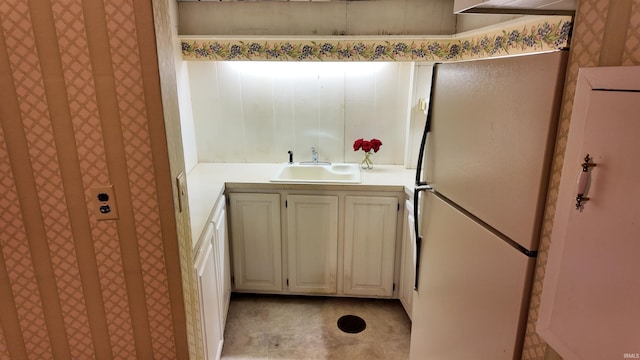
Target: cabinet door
[[205, 267], [407, 262], [256, 242], [312, 237], [589, 307], [370, 238], [222, 251]]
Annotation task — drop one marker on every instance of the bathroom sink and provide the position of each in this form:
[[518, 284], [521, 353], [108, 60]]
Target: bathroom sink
[[320, 173]]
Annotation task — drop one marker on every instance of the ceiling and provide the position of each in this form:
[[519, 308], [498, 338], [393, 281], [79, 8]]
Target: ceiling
[[515, 6], [541, 7]]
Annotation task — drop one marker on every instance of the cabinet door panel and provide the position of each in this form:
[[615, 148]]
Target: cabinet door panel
[[205, 267], [256, 242], [407, 262], [222, 251], [312, 237], [589, 307], [370, 238]]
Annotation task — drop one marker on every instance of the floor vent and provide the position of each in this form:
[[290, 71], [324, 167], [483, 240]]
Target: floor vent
[[351, 324]]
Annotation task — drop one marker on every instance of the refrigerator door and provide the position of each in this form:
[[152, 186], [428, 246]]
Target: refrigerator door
[[492, 134], [473, 291]]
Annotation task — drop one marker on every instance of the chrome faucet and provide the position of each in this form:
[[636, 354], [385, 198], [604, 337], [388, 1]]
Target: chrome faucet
[[314, 159], [290, 156]]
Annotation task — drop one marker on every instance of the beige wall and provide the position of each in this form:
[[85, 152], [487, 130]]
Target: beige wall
[[80, 106], [606, 33], [177, 115], [468, 22], [388, 17]]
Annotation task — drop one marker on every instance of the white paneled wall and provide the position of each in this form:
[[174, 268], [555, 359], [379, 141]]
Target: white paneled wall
[[186, 116], [421, 91], [257, 111]]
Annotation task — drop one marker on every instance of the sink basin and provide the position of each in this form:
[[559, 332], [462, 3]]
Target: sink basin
[[321, 173]]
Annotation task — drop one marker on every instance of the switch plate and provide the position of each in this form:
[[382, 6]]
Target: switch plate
[[422, 104], [103, 201], [181, 183]]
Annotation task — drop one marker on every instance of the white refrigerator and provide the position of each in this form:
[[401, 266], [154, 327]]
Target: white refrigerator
[[481, 185]]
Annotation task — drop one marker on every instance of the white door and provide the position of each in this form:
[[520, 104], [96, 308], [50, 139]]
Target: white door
[[256, 242], [369, 245], [312, 238], [590, 301], [471, 290]]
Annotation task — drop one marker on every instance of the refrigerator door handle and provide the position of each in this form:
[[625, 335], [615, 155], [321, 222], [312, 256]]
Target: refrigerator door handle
[[418, 249], [418, 238], [420, 184], [416, 223]]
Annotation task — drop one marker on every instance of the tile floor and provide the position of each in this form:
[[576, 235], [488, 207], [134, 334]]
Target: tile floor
[[298, 327]]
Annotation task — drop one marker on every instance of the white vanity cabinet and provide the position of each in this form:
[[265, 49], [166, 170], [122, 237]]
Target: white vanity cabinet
[[312, 243], [369, 245], [332, 242], [256, 241], [208, 293]]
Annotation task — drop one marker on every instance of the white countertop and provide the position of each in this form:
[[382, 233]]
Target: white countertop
[[206, 182]]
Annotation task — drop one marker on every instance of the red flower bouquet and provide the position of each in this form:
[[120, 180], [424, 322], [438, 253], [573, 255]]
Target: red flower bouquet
[[367, 146]]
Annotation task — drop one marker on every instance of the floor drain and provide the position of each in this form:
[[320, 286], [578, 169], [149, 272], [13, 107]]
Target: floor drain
[[351, 324]]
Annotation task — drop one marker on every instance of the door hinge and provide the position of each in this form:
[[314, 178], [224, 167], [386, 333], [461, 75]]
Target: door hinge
[[394, 287], [233, 281], [286, 203], [287, 282], [398, 207]]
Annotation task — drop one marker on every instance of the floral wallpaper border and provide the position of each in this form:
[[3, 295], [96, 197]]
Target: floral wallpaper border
[[540, 34]]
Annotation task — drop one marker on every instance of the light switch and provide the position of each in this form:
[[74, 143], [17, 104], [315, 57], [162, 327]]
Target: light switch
[[181, 183], [104, 202], [422, 104]]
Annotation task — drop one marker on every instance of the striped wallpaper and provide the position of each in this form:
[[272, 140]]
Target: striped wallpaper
[[80, 106]]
